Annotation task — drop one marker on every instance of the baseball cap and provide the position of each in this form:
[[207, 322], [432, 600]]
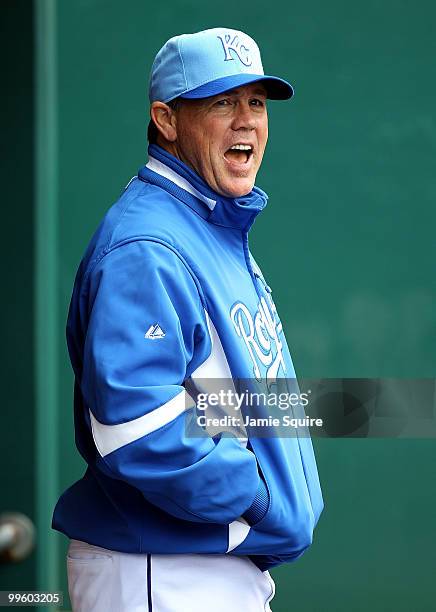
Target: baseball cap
[[208, 63]]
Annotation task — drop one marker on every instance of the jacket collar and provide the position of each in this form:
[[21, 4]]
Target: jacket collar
[[169, 173]]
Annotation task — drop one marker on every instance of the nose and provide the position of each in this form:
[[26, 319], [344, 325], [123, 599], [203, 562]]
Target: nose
[[244, 117]]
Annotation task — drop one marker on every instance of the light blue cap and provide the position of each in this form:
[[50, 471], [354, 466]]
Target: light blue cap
[[207, 63]]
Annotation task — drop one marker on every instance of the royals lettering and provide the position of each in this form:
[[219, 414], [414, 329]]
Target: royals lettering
[[261, 336]]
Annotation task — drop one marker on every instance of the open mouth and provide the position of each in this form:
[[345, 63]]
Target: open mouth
[[239, 153]]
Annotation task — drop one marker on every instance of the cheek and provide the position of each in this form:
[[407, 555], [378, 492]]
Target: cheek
[[218, 133], [193, 143], [214, 154], [265, 133]]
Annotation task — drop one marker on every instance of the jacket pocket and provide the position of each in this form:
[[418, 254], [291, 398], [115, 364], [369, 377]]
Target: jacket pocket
[[289, 522]]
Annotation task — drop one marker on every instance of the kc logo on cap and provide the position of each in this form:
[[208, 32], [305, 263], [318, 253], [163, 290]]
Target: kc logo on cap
[[234, 44]]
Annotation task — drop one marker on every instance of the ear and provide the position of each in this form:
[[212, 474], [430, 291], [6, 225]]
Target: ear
[[165, 119]]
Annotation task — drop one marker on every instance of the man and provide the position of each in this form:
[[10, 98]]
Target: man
[[168, 296]]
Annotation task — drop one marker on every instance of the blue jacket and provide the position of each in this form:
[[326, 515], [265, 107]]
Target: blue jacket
[[167, 294]]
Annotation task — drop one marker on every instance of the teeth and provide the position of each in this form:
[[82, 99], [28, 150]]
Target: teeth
[[241, 147]]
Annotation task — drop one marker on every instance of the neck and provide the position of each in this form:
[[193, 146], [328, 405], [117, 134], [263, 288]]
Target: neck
[[170, 147]]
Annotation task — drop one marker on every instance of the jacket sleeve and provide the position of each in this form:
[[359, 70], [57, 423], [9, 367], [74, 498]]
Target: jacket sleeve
[[146, 333]]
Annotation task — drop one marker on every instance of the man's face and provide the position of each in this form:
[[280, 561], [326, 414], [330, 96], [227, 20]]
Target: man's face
[[208, 130]]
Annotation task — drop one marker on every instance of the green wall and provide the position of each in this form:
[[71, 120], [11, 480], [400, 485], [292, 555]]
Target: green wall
[[17, 432], [346, 244]]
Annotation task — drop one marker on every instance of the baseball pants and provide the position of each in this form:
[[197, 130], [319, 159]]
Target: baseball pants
[[102, 580]]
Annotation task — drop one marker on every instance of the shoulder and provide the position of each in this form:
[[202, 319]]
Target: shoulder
[[146, 211], [145, 261], [145, 227]]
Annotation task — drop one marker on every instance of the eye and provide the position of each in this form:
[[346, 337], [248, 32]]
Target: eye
[[257, 102], [222, 102]]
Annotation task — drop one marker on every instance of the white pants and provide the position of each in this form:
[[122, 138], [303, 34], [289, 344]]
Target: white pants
[[101, 580]]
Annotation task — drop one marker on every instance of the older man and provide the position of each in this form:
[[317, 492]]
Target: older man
[[168, 296]]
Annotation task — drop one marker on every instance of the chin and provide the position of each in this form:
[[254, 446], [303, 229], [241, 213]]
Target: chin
[[241, 188]]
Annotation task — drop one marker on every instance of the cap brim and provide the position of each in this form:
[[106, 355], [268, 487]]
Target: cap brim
[[276, 89]]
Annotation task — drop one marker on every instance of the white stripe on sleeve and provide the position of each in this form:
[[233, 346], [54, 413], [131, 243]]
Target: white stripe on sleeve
[[109, 438]]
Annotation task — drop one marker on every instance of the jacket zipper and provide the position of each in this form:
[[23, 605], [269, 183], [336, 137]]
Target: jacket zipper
[[262, 280], [254, 275]]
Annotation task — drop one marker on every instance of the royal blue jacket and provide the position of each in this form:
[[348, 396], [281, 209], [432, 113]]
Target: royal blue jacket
[[168, 293]]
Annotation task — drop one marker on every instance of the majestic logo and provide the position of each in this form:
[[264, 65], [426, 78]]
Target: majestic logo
[[261, 336], [232, 42], [154, 332]]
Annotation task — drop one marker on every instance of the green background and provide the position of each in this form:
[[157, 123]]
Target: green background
[[346, 243]]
